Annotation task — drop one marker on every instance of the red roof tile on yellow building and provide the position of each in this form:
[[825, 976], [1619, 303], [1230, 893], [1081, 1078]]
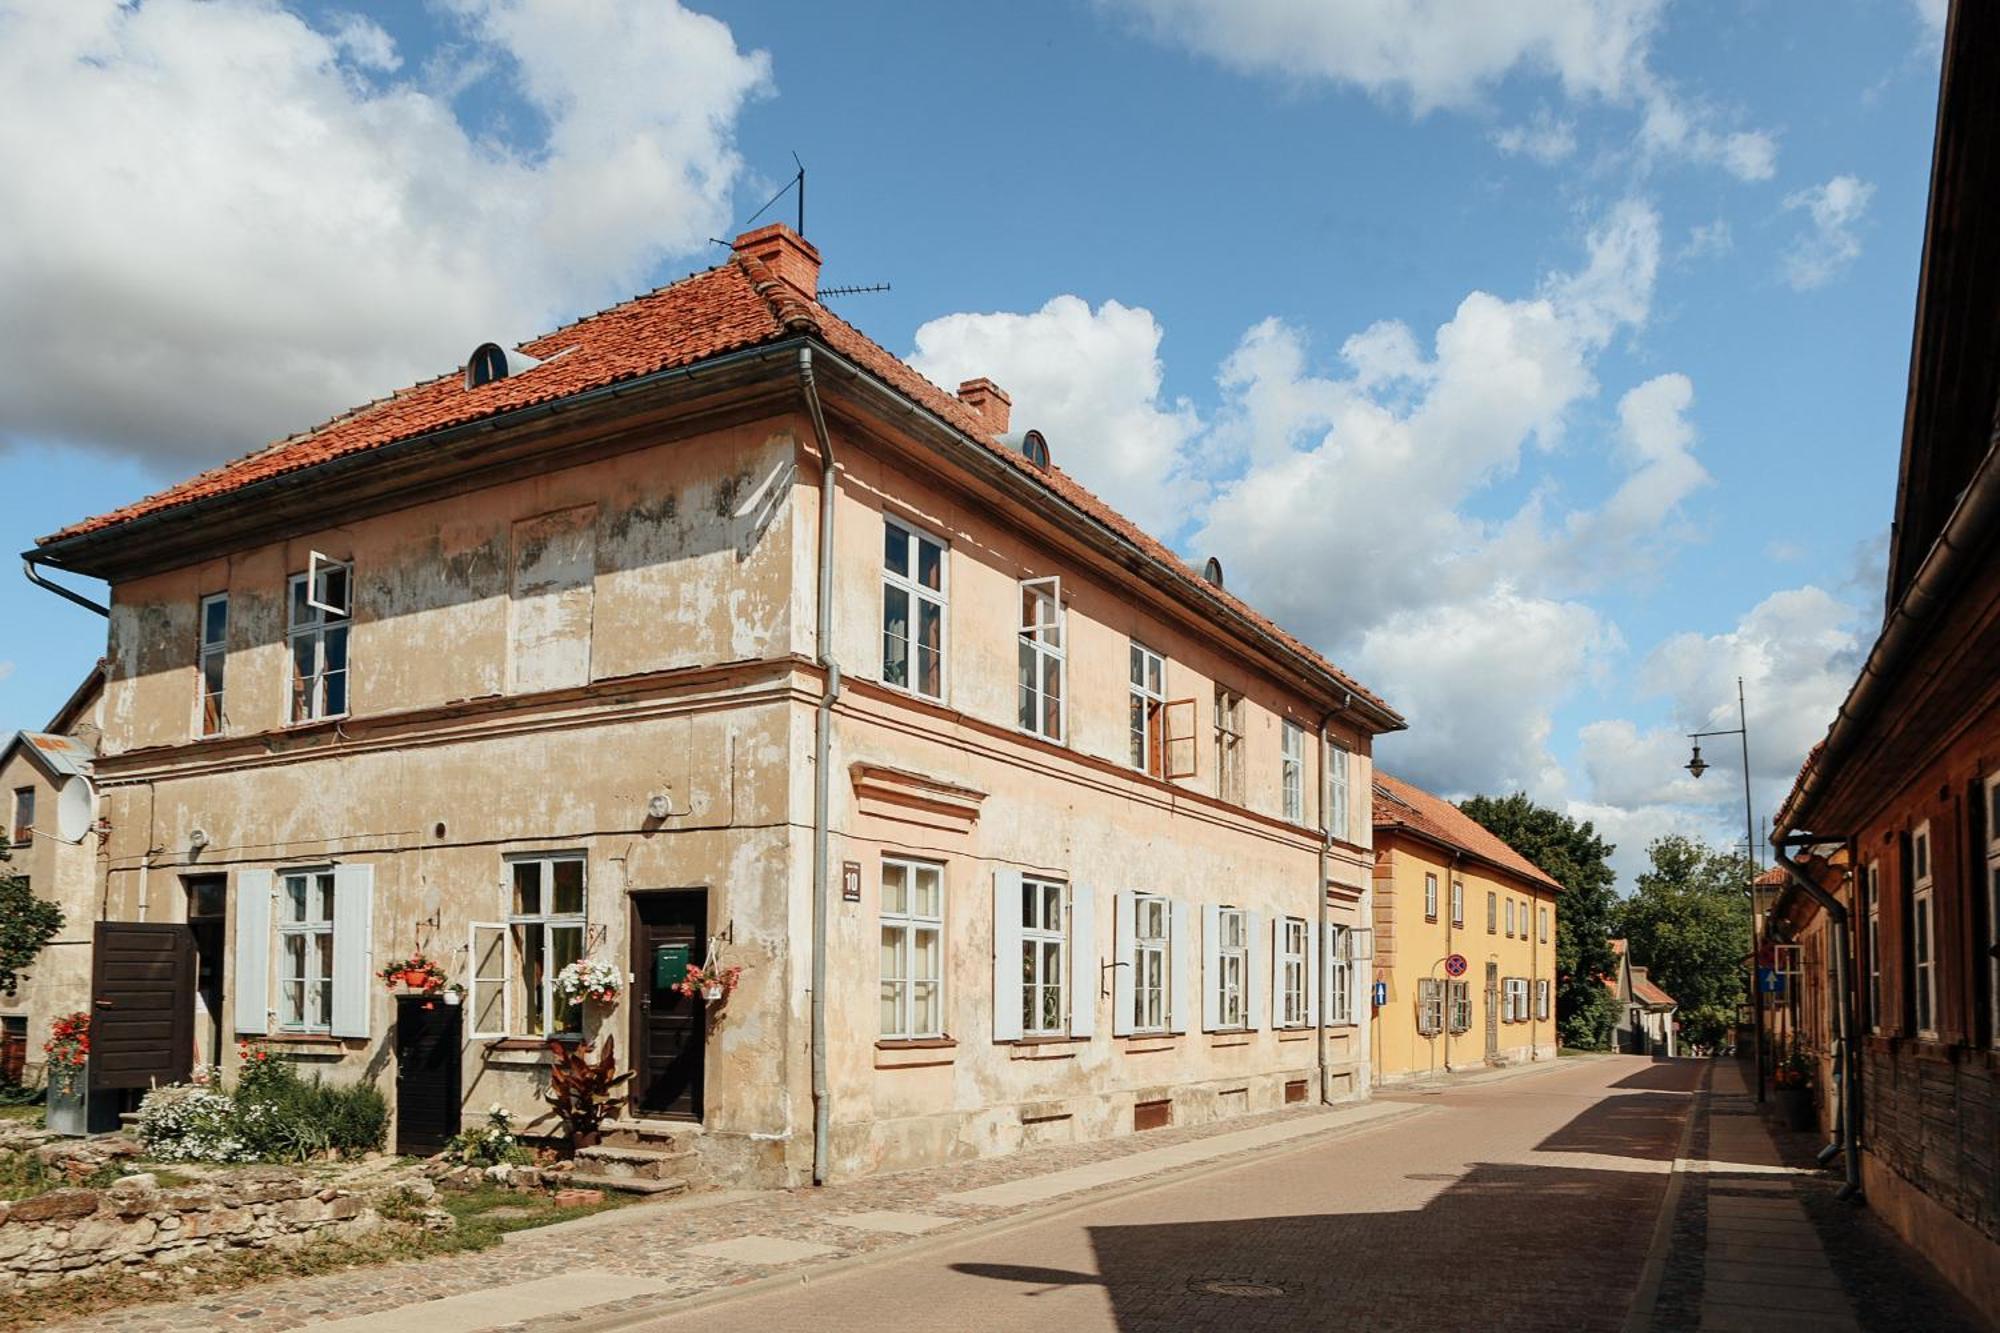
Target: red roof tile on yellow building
[[1399, 804]]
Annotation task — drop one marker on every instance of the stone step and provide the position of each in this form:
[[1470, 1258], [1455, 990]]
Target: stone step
[[627, 1184], [664, 1135], [617, 1159]]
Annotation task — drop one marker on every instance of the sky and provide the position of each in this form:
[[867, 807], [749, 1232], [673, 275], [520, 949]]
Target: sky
[[1543, 363]]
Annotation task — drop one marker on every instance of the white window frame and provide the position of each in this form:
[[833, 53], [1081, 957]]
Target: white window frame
[[319, 888], [1457, 902], [1038, 980], [1923, 931], [1293, 937], [1043, 656], [1990, 789], [909, 926], [1292, 772], [939, 597], [206, 652], [1147, 703], [550, 921], [1871, 890], [1232, 969], [1339, 820], [1152, 961], [1510, 918], [1458, 994], [480, 984], [1339, 976], [308, 692], [1430, 896], [1229, 779]]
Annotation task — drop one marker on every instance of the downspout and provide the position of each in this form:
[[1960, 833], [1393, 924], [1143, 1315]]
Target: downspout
[[822, 746], [35, 576], [1837, 913], [1319, 893]]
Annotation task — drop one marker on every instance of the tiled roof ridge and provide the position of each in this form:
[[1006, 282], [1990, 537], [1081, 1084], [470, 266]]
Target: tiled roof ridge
[[1434, 817]]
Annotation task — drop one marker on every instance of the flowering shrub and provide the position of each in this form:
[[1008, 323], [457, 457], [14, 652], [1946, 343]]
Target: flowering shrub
[[489, 1144], [699, 977], [419, 972], [273, 1115], [68, 1049], [589, 979], [184, 1122], [1795, 1071]]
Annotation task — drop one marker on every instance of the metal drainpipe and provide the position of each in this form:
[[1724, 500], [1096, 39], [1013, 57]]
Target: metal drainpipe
[[1450, 922], [822, 745], [35, 576], [1843, 1010], [1319, 894]]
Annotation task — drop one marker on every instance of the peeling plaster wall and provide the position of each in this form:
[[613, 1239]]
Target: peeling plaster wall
[[58, 981]]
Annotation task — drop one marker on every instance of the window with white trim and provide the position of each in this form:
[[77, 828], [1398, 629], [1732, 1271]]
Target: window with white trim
[[912, 948], [1293, 772], [24, 817], [211, 658], [1992, 867], [1871, 879], [914, 599], [1923, 932], [1339, 974], [1042, 690], [1148, 708], [1430, 1006], [1228, 745], [305, 950], [1044, 957], [1492, 912], [316, 631], [1458, 902], [546, 924], [1460, 995], [1292, 953], [1541, 997], [1430, 897], [1337, 819], [1152, 924], [1232, 968]]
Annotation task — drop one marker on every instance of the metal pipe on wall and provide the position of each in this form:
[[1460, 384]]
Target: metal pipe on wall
[[1319, 894], [1843, 1009]]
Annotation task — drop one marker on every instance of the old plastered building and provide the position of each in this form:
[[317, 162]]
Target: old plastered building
[[704, 629], [1446, 887]]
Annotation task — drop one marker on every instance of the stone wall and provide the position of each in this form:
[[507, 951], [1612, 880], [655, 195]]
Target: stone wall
[[73, 1232]]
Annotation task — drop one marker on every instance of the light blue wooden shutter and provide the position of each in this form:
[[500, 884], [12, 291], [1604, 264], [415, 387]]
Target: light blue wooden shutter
[[1180, 968], [253, 952], [1276, 951], [1124, 913], [1258, 982], [1315, 952], [1006, 955], [1211, 967], [1083, 960], [353, 918]]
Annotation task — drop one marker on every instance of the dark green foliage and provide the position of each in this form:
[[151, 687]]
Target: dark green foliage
[[27, 923], [284, 1116], [580, 1088], [1689, 923], [1576, 858]]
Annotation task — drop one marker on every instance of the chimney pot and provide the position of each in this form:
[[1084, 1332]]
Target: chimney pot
[[792, 259], [990, 401]]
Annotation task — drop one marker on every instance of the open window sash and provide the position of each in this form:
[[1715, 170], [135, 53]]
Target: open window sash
[[491, 969], [329, 586], [1179, 720]]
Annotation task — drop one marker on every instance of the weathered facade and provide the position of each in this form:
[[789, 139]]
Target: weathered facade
[[1445, 887], [1903, 794], [1645, 1024], [512, 669]]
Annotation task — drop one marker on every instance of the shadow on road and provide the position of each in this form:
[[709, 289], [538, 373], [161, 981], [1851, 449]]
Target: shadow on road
[[1675, 1075]]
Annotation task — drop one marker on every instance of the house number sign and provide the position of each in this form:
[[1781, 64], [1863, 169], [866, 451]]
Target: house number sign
[[850, 881]]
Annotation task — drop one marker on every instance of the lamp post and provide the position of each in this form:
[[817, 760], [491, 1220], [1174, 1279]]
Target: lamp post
[[1698, 766]]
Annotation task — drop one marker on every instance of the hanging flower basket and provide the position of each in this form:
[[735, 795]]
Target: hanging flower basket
[[418, 972], [712, 983], [590, 979]]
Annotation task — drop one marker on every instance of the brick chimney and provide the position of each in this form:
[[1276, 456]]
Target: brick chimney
[[989, 400], [791, 258]]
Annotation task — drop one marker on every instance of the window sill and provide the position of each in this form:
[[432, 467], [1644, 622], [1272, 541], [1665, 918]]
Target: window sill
[[1043, 1048], [302, 1042], [1145, 1043], [1229, 1037], [1295, 1034], [916, 1043], [915, 1052]]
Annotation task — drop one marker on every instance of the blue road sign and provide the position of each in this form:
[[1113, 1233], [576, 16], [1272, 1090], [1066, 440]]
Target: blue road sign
[[1381, 993], [1770, 982]]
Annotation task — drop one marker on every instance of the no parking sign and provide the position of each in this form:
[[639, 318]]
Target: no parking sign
[[1454, 966]]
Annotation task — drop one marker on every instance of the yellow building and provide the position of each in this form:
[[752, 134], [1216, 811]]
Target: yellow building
[[1446, 888]]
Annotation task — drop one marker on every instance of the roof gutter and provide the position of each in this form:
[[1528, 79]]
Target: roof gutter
[[30, 559]]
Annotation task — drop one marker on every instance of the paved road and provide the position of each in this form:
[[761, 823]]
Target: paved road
[[1525, 1203]]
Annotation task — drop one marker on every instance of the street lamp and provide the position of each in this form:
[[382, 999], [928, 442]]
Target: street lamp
[[1698, 766]]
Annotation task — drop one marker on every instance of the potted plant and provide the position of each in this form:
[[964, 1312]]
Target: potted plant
[[712, 982], [418, 972], [68, 1052], [1793, 1085], [580, 1088], [589, 979], [454, 994]]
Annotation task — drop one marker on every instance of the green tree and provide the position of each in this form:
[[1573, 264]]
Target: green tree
[[1689, 923], [27, 923], [1578, 859]]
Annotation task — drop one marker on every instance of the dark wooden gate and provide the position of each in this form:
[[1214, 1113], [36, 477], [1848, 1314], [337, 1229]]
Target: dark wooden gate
[[141, 1005], [427, 1074], [669, 1030]]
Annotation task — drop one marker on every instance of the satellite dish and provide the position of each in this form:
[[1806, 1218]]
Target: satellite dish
[[76, 809]]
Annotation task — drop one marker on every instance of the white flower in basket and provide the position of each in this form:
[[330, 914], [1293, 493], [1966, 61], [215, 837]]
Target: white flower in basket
[[590, 979]]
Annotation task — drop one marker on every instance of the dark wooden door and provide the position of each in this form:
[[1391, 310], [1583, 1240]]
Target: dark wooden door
[[669, 1030], [141, 1005], [427, 1071]]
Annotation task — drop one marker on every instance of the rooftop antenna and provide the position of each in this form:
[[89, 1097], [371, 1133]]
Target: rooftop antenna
[[825, 292], [797, 183]]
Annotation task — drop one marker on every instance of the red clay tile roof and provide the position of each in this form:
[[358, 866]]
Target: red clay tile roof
[[1398, 804], [1773, 877], [1646, 992], [735, 305]]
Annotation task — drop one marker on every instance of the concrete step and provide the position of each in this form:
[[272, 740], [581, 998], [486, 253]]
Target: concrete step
[[662, 1135], [634, 1163], [627, 1184]]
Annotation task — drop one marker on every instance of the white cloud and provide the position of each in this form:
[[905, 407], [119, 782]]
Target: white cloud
[[1543, 137], [1930, 18], [1819, 254], [1708, 238], [6, 670], [1445, 54], [1089, 380], [255, 219]]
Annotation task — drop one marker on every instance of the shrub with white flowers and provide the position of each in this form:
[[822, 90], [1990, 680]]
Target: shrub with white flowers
[[190, 1123], [589, 979], [489, 1144]]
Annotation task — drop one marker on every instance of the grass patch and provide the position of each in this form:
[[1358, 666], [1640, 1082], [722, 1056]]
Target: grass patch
[[29, 1112], [479, 1226]]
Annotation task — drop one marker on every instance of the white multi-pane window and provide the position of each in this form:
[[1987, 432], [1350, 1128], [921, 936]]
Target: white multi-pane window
[[212, 657], [1543, 925], [1152, 920], [1293, 772], [1460, 995], [317, 630], [1228, 745], [1430, 1006], [1044, 963], [1923, 932], [1149, 706], [1541, 998], [1430, 897], [1458, 902], [914, 598], [1232, 968], [547, 926], [1872, 902], [912, 948], [1336, 791], [1339, 974], [1041, 685], [305, 950], [1292, 963], [1992, 868]]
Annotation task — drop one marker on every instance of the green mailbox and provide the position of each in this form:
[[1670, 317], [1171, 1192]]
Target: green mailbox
[[670, 964]]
